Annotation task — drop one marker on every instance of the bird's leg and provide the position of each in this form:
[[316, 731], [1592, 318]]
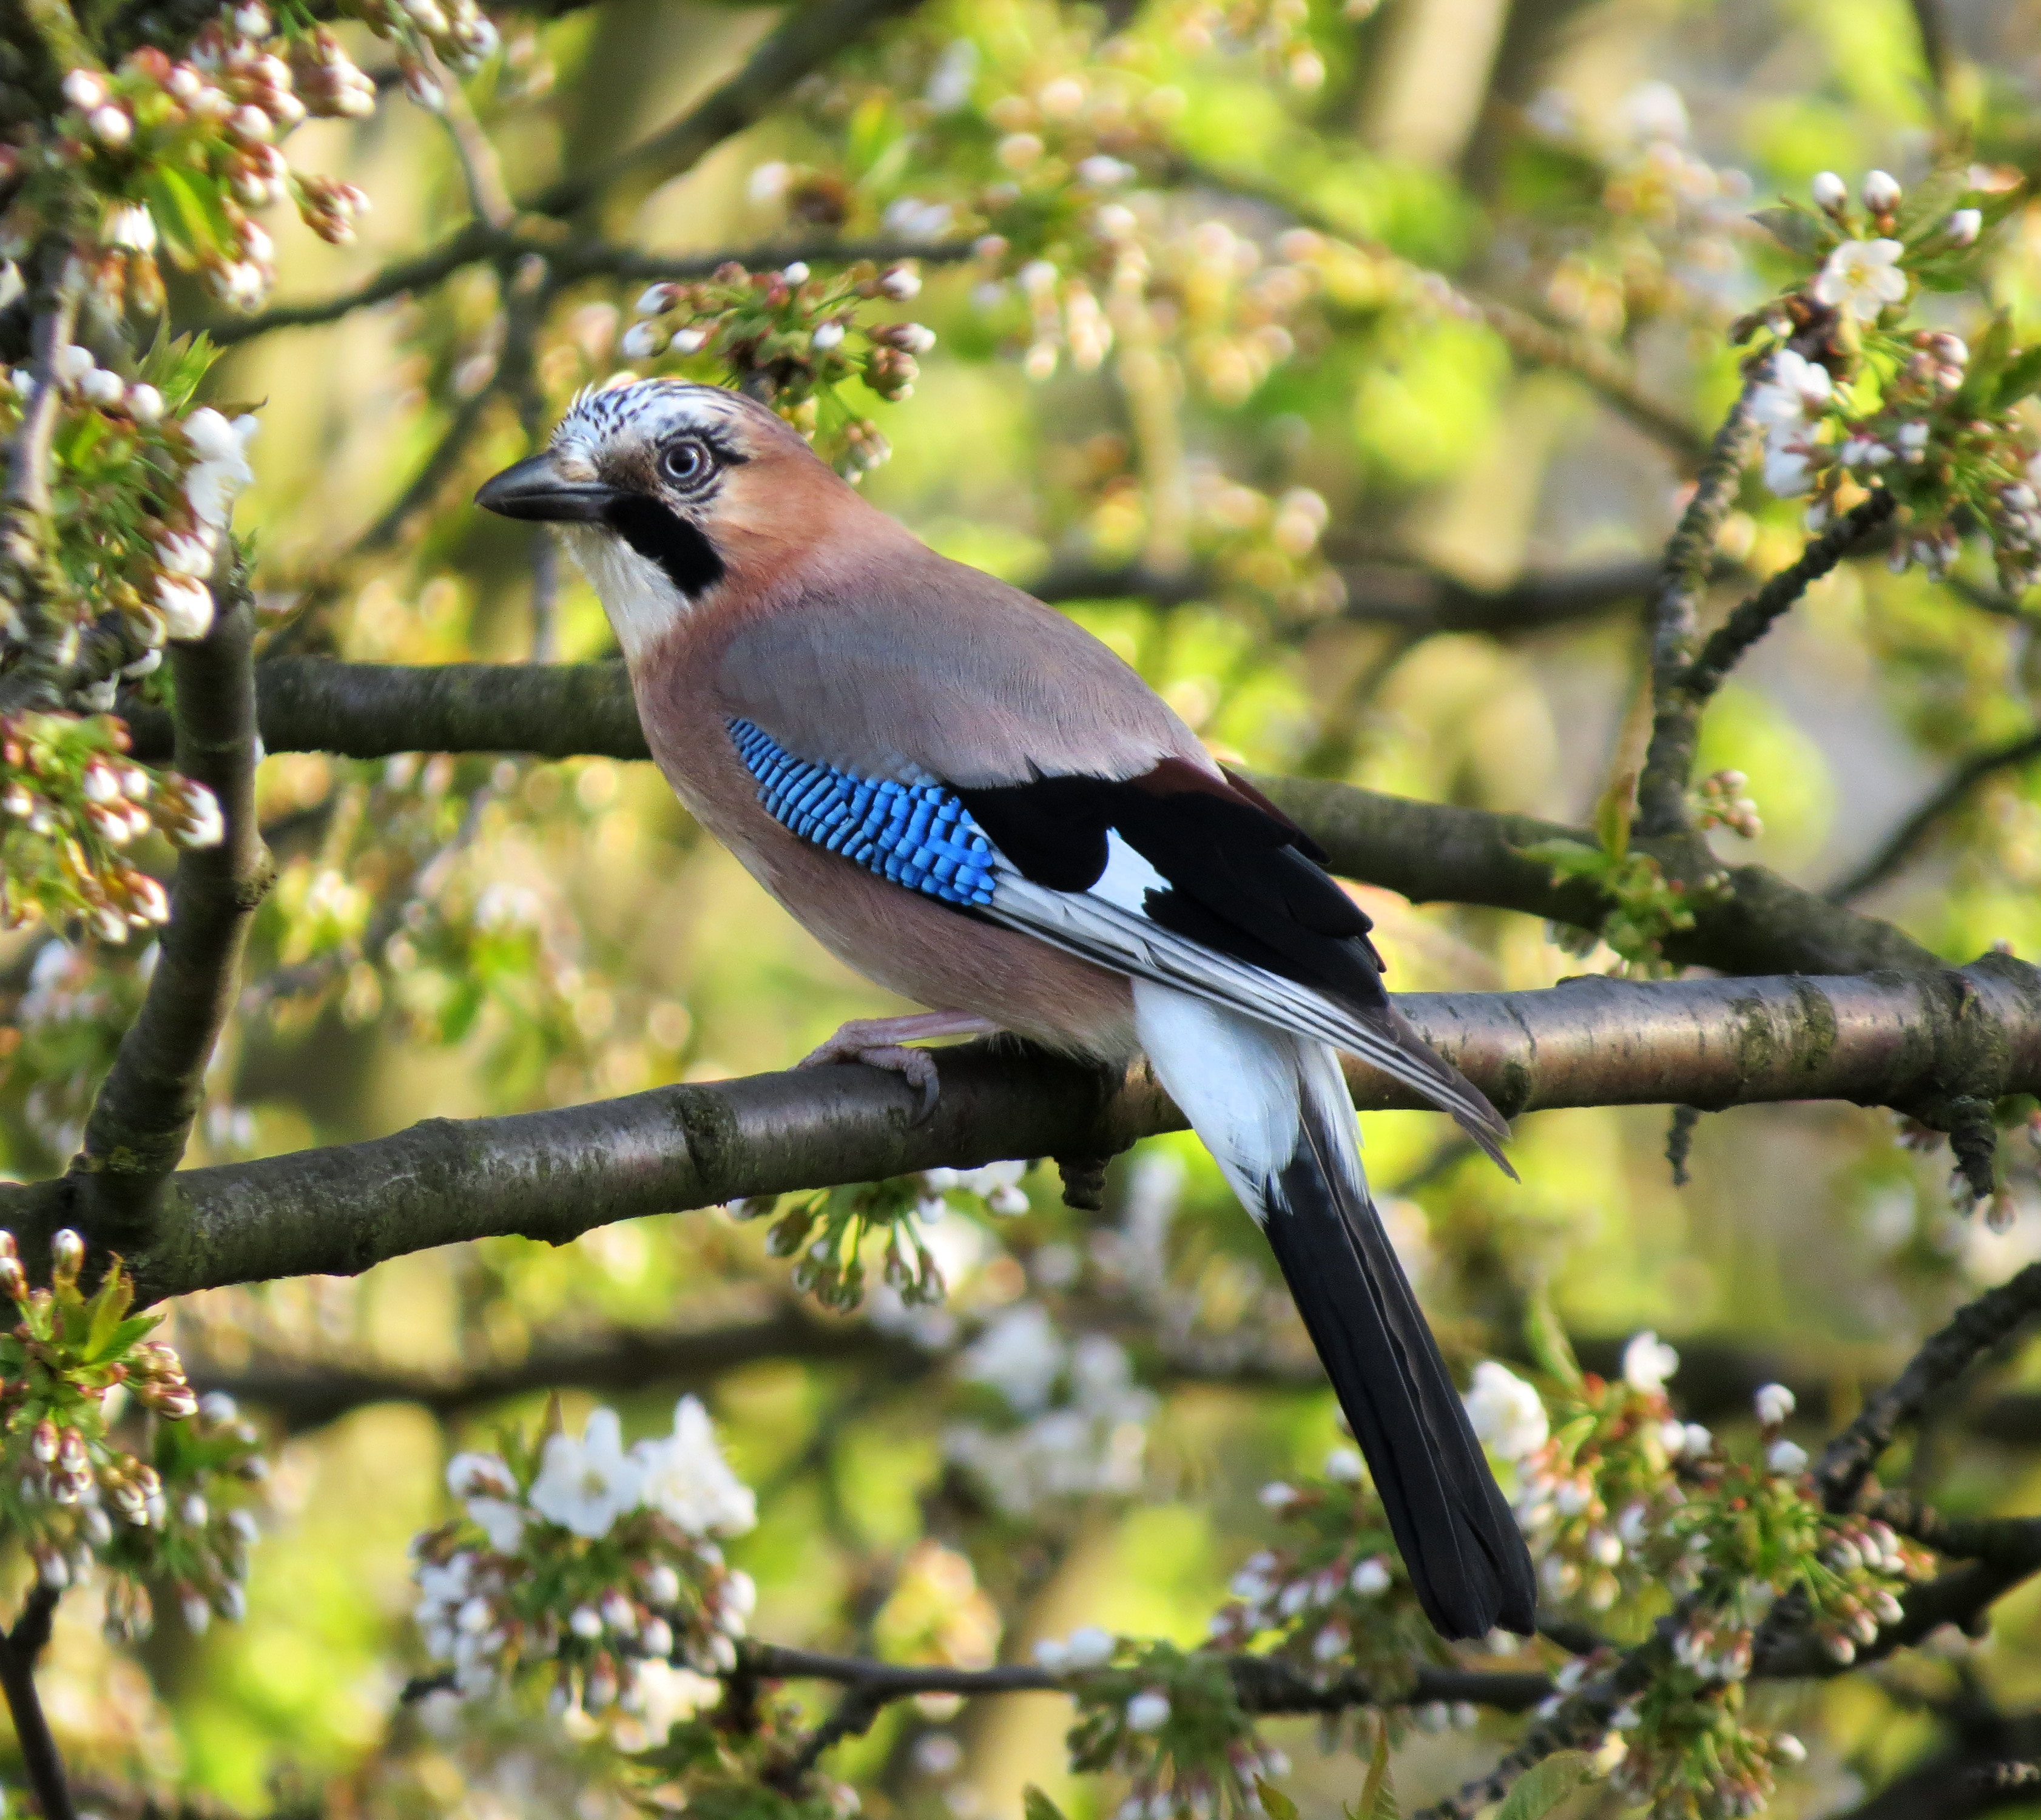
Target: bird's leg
[[881, 1043]]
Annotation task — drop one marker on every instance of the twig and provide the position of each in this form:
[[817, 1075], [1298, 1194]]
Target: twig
[[809, 37], [480, 171], [24, 528], [478, 243], [1754, 617], [1938, 50], [19, 1650], [1535, 343], [1900, 845], [1662, 792], [1974, 1329], [143, 1116]]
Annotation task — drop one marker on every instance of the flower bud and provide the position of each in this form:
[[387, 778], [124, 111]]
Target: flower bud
[[1831, 194], [67, 1254], [1881, 193], [1965, 226]]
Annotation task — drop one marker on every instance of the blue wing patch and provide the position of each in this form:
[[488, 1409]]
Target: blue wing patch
[[918, 835]]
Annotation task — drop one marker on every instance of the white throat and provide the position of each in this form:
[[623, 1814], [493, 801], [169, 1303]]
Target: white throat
[[637, 594]]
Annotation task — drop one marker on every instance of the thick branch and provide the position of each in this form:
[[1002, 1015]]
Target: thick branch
[[1430, 852], [1883, 1040], [141, 1118], [1414, 600], [1900, 845]]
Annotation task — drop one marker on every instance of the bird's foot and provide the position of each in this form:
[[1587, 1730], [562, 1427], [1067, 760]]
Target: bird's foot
[[881, 1043]]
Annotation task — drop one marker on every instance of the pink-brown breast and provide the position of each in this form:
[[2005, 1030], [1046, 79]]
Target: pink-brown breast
[[912, 944]]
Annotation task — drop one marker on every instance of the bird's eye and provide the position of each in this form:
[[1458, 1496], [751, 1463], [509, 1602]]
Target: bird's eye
[[685, 462]]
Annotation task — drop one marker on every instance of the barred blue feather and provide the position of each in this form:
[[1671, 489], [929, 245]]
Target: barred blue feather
[[918, 835]]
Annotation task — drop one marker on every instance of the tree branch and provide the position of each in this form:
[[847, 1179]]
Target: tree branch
[[1974, 1329], [1882, 1040], [1416, 600], [1900, 845], [1661, 791], [1755, 616], [569, 259], [19, 1650], [1430, 852], [142, 1116]]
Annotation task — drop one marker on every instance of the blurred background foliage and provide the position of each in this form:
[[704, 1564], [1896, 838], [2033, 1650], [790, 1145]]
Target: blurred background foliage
[[1268, 510]]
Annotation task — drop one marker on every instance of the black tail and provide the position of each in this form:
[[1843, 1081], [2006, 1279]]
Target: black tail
[[1466, 1557]]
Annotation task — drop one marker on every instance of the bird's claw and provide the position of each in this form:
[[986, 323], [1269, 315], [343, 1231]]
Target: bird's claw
[[916, 1067]]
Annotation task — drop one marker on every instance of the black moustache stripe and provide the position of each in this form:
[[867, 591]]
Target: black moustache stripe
[[678, 547]]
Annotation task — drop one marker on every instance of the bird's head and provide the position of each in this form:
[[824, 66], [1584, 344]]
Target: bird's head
[[667, 493]]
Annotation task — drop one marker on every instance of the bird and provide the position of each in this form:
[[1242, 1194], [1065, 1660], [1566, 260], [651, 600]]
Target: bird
[[976, 805]]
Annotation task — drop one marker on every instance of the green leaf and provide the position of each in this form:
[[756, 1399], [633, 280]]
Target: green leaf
[[1927, 205], [1613, 813], [1378, 1793], [1798, 229], [1571, 859], [120, 1338], [1988, 358], [2022, 376], [1036, 1805], [1548, 1340], [1278, 1806], [1544, 1785]]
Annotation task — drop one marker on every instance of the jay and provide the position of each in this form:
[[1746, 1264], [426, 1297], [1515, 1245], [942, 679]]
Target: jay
[[974, 802]]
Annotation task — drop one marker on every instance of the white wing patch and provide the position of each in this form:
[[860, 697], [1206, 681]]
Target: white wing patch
[[1109, 925]]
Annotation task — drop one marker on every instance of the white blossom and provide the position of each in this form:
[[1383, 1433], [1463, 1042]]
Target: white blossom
[[1506, 1413], [1965, 226], [685, 1478], [585, 1485], [1088, 1647], [1020, 1354], [186, 605], [1148, 1710], [1343, 1466], [145, 404], [1830, 191], [1370, 1578], [1787, 1457], [1881, 193], [640, 342], [1861, 277], [501, 1521], [827, 335], [1648, 1362], [1774, 1403]]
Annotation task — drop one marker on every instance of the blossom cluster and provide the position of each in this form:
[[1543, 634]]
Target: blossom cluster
[[582, 1559], [1719, 801], [1624, 1505], [172, 152], [1335, 1597], [1170, 1721], [827, 1233], [1851, 400], [70, 804], [798, 334], [100, 1462], [1074, 1424], [1652, 228]]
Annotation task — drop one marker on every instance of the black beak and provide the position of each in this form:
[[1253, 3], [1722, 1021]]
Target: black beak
[[537, 489]]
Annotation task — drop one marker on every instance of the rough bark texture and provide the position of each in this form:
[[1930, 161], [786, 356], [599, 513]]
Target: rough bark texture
[[142, 1118], [1901, 1040]]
